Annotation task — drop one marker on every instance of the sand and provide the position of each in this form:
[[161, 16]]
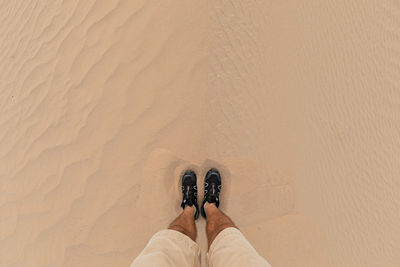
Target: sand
[[104, 104]]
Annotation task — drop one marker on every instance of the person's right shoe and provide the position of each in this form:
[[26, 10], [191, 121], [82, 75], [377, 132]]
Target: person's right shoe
[[212, 189]]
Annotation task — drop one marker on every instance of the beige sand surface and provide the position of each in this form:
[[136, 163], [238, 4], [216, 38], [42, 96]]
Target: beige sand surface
[[103, 103]]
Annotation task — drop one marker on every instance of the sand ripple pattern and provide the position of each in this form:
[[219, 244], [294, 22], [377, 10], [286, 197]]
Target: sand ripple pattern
[[103, 104], [89, 89]]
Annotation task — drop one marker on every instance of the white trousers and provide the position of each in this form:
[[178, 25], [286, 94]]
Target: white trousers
[[170, 248]]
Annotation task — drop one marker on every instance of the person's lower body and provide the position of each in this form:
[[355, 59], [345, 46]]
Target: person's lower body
[[176, 245]]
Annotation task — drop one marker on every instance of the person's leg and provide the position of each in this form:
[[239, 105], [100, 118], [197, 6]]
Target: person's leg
[[216, 222], [175, 246], [184, 223], [227, 246]]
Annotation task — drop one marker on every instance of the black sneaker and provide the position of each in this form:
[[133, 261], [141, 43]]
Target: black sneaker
[[189, 191], [212, 188]]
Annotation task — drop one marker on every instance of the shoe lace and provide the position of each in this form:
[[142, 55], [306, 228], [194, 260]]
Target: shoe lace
[[212, 192], [189, 194]]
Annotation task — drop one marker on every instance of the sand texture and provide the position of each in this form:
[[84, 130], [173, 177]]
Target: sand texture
[[103, 104]]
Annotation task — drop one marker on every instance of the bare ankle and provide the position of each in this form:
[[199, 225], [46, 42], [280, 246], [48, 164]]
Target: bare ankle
[[184, 223], [217, 221], [190, 210], [210, 207]]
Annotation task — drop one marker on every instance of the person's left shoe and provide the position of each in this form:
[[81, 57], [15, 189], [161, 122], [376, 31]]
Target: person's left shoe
[[189, 191]]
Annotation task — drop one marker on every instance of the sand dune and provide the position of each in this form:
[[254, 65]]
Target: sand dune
[[105, 103]]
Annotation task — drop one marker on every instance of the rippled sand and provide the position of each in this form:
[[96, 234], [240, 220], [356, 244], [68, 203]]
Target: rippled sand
[[104, 104]]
